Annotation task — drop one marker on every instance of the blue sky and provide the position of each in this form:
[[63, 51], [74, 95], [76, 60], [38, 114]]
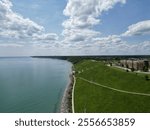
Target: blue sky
[[74, 27], [47, 13]]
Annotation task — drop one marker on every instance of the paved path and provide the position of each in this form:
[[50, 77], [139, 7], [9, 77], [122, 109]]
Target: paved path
[[74, 82], [114, 89], [140, 72]]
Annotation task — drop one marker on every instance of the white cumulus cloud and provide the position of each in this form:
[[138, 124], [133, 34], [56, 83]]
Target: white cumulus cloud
[[140, 28], [83, 15], [15, 26], [11, 45]]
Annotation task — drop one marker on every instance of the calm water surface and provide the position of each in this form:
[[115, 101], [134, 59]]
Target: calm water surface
[[32, 84]]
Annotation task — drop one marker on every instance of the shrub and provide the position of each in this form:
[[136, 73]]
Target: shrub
[[132, 69], [146, 77]]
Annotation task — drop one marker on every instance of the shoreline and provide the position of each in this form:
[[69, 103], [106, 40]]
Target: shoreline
[[73, 101], [66, 103]]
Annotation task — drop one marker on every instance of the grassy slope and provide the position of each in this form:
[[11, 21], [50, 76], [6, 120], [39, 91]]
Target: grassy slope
[[92, 98]]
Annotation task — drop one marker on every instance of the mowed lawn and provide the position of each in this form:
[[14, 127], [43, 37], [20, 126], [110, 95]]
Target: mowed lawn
[[94, 98]]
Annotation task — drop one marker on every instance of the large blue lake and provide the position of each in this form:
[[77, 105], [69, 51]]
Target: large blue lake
[[32, 84]]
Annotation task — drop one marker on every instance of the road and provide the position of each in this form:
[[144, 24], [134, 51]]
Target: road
[[74, 82]]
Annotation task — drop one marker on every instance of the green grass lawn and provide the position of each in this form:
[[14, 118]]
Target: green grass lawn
[[93, 98]]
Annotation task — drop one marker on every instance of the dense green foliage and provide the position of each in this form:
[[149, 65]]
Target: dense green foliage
[[77, 59], [93, 98]]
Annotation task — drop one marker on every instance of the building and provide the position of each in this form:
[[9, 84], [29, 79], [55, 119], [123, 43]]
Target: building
[[142, 65]]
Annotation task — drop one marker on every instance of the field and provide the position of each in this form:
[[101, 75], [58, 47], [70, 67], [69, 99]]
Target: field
[[104, 89]]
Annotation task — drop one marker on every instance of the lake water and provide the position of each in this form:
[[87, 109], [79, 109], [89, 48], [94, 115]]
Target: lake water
[[32, 84]]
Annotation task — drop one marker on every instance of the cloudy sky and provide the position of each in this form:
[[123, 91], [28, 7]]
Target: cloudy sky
[[74, 27]]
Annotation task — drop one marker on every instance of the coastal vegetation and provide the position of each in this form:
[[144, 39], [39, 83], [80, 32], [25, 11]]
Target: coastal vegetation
[[77, 59], [101, 88]]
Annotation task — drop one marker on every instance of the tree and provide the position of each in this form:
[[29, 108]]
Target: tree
[[145, 69], [132, 69], [146, 77], [110, 64]]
